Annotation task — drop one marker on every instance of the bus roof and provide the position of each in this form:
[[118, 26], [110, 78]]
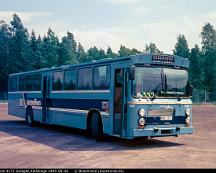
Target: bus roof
[[136, 59]]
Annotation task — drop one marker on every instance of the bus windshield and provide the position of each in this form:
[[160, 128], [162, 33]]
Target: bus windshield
[[159, 81]]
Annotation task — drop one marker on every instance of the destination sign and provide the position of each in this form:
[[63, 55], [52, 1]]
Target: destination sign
[[163, 58]]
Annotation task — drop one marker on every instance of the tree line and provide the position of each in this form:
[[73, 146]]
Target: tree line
[[24, 51]]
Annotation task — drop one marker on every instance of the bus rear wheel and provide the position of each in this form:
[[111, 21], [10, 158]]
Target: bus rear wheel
[[97, 127], [29, 117]]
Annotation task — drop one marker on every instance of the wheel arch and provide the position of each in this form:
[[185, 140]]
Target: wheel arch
[[29, 108], [89, 117]]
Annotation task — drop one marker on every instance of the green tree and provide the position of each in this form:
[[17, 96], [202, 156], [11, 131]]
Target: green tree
[[36, 51], [50, 50], [196, 74], [20, 51], [208, 35], [152, 48], [102, 54], [123, 51], [110, 53], [94, 53], [5, 39], [181, 47], [67, 50], [81, 54]]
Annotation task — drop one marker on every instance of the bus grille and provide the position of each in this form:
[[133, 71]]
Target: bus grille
[[161, 112], [165, 132]]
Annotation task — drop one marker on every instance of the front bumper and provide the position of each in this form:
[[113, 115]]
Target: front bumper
[[160, 132]]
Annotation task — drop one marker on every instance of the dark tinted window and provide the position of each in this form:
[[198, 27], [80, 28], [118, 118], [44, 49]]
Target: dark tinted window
[[85, 79], [37, 82], [57, 81], [21, 83], [28, 83], [70, 80], [102, 77], [13, 84]]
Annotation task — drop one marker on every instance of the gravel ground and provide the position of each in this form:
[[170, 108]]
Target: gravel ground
[[22, 146]]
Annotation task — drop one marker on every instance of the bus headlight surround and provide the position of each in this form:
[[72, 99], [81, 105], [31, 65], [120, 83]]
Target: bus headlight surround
[[141, 112], [188, 120], [141, 121], [187, 111]]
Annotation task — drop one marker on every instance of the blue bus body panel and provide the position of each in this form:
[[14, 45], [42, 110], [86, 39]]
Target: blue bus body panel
[[154, 121], [71, 108]]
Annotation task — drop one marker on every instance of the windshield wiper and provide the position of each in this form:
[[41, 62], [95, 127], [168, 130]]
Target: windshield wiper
[[163, 83]]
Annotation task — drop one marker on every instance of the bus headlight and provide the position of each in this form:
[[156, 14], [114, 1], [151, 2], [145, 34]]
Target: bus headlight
[[188, 120], [141, 112], [141, 121], [187, 111]]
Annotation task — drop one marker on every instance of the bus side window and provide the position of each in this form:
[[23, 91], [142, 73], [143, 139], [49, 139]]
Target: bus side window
[[29, 83], [102, 77], [13, 84], [37, 82], [118, 90], [57, 83], [70, 80], [21, 83], [85, 79]]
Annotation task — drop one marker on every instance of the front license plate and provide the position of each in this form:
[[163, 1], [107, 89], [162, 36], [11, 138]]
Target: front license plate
[[166, 118]]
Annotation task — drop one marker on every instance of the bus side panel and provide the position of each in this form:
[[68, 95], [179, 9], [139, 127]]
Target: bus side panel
[[17, 104], [71, 109], [37, 112], [14, 106], [67, 118]]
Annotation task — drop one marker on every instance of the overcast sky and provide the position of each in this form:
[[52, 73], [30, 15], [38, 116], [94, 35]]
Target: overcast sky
[[132, 23]]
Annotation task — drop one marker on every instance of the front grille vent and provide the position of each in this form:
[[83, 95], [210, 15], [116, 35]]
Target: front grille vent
[[160, 112]]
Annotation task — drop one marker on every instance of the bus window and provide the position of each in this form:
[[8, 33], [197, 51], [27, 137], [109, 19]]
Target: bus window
[[28, 83], [85, 79], [22, 83], [13, 84], [102, 77], [118, 90], [37, 82], [70, 80], [57, 83]]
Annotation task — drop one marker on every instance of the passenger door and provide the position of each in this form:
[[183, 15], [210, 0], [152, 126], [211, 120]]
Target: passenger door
[[119, 101], [45, 94]]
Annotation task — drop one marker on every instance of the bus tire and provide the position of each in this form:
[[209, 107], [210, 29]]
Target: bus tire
[[29, 117], [97, 127]]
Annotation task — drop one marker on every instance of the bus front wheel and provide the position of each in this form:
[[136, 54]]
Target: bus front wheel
[[97, 127], [29, 117]]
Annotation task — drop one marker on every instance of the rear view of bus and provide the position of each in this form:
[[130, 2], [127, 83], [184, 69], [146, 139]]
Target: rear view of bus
[[160, 96]]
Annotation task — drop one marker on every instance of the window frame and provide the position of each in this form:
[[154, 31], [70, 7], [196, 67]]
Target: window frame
[[15, 88], [81, 68], [34, 79], [76, 79], [24, 84], [104, 65], [52, 84]]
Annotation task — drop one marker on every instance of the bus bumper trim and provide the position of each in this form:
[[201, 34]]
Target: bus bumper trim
[[162, 131]]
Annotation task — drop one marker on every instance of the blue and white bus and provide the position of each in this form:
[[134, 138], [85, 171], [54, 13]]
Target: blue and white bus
[[144, 95]]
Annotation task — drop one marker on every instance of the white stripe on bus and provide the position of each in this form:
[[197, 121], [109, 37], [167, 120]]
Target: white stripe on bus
[[66, 91], [21, 92], [82, 91], [77, 111]]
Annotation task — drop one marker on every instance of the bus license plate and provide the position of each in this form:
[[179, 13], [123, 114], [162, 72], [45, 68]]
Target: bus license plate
[[166, 118]]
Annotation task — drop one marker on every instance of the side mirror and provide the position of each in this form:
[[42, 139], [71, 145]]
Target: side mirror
[[132, 73]]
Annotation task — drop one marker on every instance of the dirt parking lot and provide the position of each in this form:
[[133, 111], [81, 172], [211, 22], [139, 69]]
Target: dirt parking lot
[[22, 146]]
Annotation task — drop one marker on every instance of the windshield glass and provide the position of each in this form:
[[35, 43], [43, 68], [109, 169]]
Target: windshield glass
[[158, 81]]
